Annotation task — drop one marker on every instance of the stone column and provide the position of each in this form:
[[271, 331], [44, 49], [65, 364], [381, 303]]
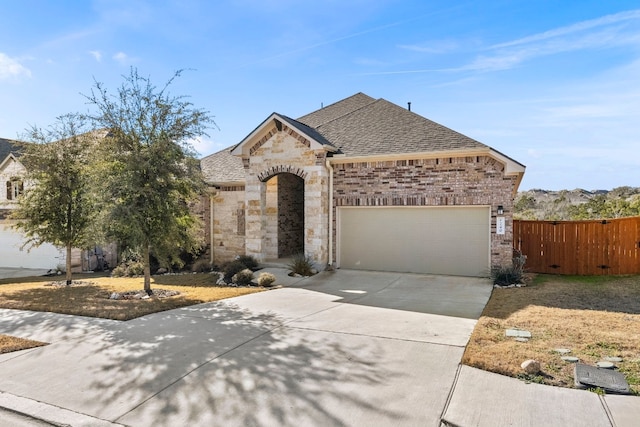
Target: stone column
[[316, 215], [255, 196]]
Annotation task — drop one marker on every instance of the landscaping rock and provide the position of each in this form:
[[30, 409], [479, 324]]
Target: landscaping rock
[[518, 333], [530, 366]]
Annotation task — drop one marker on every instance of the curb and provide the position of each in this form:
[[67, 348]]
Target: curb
[[50, 414]]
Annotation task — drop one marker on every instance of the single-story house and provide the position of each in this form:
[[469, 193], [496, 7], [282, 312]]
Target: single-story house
[[362, 184], [12, 240]]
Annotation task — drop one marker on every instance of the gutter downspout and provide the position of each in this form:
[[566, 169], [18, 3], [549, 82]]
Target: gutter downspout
[[211, 244], [330, 169]]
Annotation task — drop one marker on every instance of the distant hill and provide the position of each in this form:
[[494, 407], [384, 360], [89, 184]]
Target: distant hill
[[577, 204]]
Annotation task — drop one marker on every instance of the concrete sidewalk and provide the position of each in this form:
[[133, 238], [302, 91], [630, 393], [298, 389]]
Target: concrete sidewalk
[[344, 348], [484, 399]]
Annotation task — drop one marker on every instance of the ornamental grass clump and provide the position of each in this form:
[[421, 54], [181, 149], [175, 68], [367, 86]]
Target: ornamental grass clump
[[509, 274], [302, 265]]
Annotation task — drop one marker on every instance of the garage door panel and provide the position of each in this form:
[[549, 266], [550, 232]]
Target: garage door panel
[[450, 240]]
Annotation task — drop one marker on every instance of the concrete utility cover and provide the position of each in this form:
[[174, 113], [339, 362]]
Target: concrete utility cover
[[570, 359], [562, 350], [590, 376], [518, 333], [605, 365]]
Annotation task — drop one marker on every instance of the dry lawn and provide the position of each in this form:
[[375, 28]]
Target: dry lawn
[[9, 344], [594, 317], [91, 297]]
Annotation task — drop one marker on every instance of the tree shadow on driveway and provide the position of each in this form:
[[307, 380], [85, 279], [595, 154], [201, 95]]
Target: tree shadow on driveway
[[218, 364]]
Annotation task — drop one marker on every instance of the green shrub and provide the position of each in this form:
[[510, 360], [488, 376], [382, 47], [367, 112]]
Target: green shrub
[[231, 268], [266, 279], [249, 261], [243, 277], [302, 265], [119, 271], [129, 268]]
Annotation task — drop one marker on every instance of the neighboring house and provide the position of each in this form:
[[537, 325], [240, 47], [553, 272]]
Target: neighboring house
[[363, 184], [12, 185], [45, 256]]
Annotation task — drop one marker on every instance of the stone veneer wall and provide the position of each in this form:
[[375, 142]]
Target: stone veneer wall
[[431, 182], [228, 224], [10, 170], [287, 152]]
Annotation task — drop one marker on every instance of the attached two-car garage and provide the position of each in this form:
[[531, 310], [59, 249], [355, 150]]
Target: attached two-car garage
[[417, 239]]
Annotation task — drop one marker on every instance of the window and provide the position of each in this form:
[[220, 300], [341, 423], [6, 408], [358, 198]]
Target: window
[[15, 187]]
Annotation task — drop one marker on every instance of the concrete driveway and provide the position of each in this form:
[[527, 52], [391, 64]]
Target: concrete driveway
[[342, 348], [13, 272]]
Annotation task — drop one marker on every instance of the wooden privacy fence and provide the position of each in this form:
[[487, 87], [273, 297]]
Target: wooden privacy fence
[[596, 247]]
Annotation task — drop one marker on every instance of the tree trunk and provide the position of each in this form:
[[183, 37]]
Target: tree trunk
[[68, 266], [147, 270]]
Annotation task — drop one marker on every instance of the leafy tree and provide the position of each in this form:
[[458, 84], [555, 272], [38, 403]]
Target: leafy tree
[[151, 169], [58, 206]]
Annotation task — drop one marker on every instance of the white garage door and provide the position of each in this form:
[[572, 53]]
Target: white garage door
[[45, 256], [433, 240]]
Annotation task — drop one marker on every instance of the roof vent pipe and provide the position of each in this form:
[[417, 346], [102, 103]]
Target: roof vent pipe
[[409, 106]]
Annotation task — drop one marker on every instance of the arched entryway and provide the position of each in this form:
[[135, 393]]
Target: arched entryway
[[285, 215]]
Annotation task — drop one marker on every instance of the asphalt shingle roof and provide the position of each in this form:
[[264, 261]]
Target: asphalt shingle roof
[[357, 126], [336, 110], [8, 146], [308, 130], [381, 127], [222, 167]]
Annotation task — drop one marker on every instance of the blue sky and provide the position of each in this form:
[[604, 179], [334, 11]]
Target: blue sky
[[552, 84]]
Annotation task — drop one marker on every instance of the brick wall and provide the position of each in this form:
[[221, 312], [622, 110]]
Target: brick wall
[[431, 182]]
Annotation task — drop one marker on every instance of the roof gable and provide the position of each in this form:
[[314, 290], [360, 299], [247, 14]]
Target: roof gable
[[276, 123], [8, 146]]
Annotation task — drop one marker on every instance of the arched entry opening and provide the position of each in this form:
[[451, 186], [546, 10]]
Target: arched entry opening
[[284, 215]]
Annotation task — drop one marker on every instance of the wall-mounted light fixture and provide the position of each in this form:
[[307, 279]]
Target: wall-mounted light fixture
[[500, 209]]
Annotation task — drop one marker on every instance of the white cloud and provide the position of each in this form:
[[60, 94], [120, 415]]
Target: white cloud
[[11, 67], [433, 47], [96, 54], [532, 152], [608, 31], [205, 146], [574, 28], [121, 57]]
